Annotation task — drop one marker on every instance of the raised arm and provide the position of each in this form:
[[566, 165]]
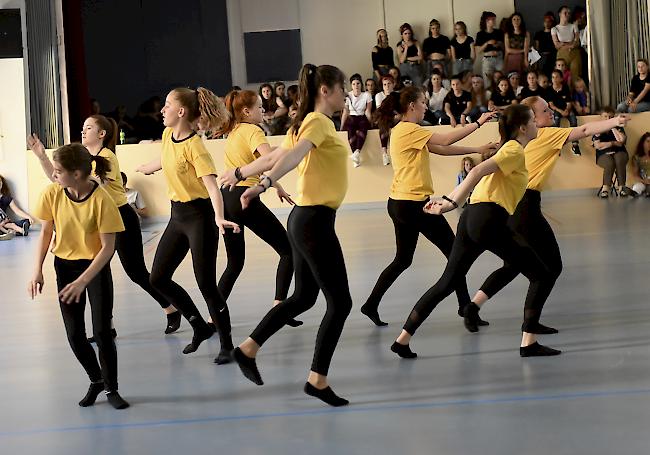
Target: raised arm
[[458, 134], [601, 126], [36, 146]]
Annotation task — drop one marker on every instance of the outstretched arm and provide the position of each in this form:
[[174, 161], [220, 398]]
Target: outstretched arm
[[601, 126]]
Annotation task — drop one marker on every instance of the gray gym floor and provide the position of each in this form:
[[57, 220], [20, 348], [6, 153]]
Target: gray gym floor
[[465, 394]]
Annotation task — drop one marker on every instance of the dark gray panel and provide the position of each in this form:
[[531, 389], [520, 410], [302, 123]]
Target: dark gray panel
[[273, 56]]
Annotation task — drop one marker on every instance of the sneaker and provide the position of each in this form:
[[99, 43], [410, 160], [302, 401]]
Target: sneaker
[[8, 236], [356, 158], [604, 194], [25, 227], [625, 191], [575, 148], [386, 159]]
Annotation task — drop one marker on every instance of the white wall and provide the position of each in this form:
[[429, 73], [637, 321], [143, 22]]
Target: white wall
[[13, 159], [342, 32]]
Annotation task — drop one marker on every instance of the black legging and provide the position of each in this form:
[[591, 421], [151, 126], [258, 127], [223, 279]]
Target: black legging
[[128, 245], [529, 222], [191, 228], [259, 219], [410, 220], [482, 227], [319, 265], [100, 295]]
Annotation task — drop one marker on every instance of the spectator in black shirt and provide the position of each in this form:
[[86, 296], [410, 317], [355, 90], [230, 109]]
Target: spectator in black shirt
[[436, 48], [502, 97], [462, 49], [489, 41], [382, 55], [532, 88], [458, 104], [638, 100], [561, 104], [612, 156], [544, 45], [542, 80], [409, 53]]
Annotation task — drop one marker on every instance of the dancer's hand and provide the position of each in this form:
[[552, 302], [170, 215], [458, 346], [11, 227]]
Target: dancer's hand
[[438, 207], [72, 292], [227, 179], [283, 195], [488, 150], [250, 194], [487, 116], [623, 119], [35, 286], [35, 145], [225, 224]]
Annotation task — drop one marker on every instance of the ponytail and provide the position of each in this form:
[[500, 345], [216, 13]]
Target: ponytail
[[202, 103], [110, 127], [235, 102], [76, 157], [311, 78], [385, 114], [512, 118]]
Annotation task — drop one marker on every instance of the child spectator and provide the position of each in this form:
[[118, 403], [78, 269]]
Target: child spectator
[[356, 117], [561, 105], [371, 89], [544, 45], [641, 166], [480, 97], [612, 156], [638, 100], [532, 88], [134, 199], [387, 85], [581, 102], [560, 65], [514, 78], [436, 95], [292, 97], [463, 53], [544, 83], [502, 97], [275, 117], [466, 165], [458, 104], [396, 74], [9, 227]]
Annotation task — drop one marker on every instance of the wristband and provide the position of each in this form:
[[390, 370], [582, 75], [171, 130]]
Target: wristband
[[263, 178], [454, 203], [478, 124], [238, 175]]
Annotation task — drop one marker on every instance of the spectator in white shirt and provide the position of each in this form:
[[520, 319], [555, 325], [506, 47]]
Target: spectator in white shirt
[[356, 117], [135, 200]]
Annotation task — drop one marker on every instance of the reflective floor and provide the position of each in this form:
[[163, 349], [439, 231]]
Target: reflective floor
[[465, 394]]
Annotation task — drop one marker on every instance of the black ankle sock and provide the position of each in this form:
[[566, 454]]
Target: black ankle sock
[[294, 322], [403, 350], [327, 395], [93, 391], [113, 334], [212, 326], [539, 329], [470, 317], [480, 322], [373, 315], [116, 400], [201, 333], [173, 322], [248, 366], [224, 357], [537, 350]]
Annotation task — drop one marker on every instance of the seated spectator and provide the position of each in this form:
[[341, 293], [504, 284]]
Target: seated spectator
[[387, 85], [517, 45], [463, 53], [638, 99], [561, 105], [641, 166], [465, 80], [503, 97], [385, 126], [278, 89], [581, 101], [612, 156], [532, 88], [292, 97], [356, 117], [8, 226], [494, 84], [396, 74], [371, 89], [382, 55], [544, 83], [560, 65], [466, 165], [148, 123], [544, 45], [275, 117], [566, 39], [480, 97], [514, 78], [436, 48], [409, 54], [446, 83], [134, 199], [458, 104], [435, 96]]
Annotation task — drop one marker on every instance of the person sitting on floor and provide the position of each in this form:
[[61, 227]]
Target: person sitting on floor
[[9, 227]]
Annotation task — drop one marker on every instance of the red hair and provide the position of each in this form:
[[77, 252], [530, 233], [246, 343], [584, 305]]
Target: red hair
[[236, 101]]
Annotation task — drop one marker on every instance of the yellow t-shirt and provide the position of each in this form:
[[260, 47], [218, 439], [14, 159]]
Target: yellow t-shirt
[[183, 164], [506, 186], [113, 183], [410, 157], [323, 172], [78, 223], [241, 149], [541, 154]]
